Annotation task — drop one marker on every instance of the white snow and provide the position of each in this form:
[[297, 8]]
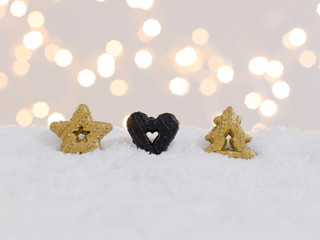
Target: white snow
[[122, 192]]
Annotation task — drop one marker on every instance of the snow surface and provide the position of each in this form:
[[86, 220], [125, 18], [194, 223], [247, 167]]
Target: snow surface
[[122, 192]]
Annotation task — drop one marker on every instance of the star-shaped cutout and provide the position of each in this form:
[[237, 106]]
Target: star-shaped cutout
[[81, 134]]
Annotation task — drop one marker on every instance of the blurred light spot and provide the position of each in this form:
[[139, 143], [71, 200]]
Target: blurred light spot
[[22, 53], [200, 36], [225, 74], [275, 69], [114, 48], [143, 37], [215, 62], [55, 117], [21, 68], [268, 108], [297, 37], [100, 0], [35, 19], [33, 40], [145, 4], [124, 122], [24, 117], [18, 8], [63, 58], [133, 3], [3, 2], [318, 9], [307, 59], [3, 12], [208, 87], [106, 65], [118, 87], [286, 42], [3, 80], [50, 51], [252, 100], [281, 90], [257, 127], [40, 109], [179, 86], [86, 78], [258, 65], [143, 59], [196, 66], [186, 57], [151, 27]]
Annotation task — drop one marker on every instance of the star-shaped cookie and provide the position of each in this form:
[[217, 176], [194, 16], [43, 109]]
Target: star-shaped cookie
[[81, 134]]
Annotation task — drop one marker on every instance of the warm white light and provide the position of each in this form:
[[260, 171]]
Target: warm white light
[[124, 122], [106, 65], [215, 62], [208, 87], [297, 37], [186, 57], [63, 58], [281, 90], [55, 117], [22, 53], [145, 4], [307, 59], [18, 8], [286, 42], [252, 100], [86, 78], [133, 3], [3, 2], [35, 19], [258, 65], [268, 108], [118, 87], [21, 68], [24, 117], [179, 86], [33, 40], [200, 36], [50, 51], [151, 27], [225, 74], [3, 12], [114, 48], [3, 80], [275, 69], [40, 109], [318, 9], [143, 59]]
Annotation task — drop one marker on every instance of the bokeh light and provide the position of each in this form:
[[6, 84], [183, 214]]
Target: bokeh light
[[186, 57], [35, 19], [252, 100], [268, 108], [50, 51], [63, 58], [118, 87], [133, 3], [318, 9], [3, 12], [55, 117], [40, 109], [24, 117], [281, 90], [258, 65], [208, 86], [86, 78], [258, 126], [142, 4], [286, 42], [114, 48], [179, 86], [3, 80], [143, 59], [297, 37], [143, 37], [18, 8], [225, 74], [22, 53], [215, 62], [106, 65], [20, 68], [275, 69], [3, 2], [33, 40], [307, 59], [151, 27], [200, 36]]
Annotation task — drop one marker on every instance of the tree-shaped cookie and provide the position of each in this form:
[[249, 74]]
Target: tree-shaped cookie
[[228, 124]]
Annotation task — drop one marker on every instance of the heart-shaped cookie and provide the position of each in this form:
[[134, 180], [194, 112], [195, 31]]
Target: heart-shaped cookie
[[139, 125]]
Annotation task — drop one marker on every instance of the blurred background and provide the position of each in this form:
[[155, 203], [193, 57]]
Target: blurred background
[[190, 58]]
